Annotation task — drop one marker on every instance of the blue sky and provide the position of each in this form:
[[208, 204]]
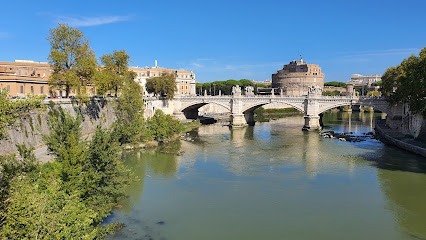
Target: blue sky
[[222, 40]]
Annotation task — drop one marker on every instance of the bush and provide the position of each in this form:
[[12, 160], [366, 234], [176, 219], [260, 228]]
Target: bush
[[162, 127]]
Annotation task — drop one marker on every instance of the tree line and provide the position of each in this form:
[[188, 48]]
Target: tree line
[[406, 83], [75, 68], [225, 87]]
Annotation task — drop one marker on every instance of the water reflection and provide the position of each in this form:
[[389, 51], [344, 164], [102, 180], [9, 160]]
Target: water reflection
[[274, 181], [406, 197]]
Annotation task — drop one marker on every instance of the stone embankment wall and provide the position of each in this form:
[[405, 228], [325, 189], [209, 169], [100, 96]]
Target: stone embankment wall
[[400, 118], [385, 137], [30, 130]]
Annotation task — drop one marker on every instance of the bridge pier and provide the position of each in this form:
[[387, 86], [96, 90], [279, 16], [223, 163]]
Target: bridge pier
[[249, 117], [312, 123], [238, 120]]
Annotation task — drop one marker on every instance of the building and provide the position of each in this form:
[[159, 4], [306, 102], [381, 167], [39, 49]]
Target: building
[[296, 77], [361, 80], [24, 77], [185, 81], [266, 82]]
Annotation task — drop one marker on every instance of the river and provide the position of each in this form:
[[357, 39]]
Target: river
[[275, 181]]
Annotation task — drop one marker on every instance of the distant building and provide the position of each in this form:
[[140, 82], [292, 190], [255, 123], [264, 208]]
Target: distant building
[[296, 77], [185, 81], [362, 80], [266, 82], [24, 77]]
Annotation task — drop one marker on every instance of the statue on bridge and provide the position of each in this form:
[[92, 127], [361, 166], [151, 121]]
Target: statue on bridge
[[314, 90], [236, 90], [249, 91]]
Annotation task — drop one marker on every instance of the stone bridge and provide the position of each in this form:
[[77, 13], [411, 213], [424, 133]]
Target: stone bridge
[[241, 107]]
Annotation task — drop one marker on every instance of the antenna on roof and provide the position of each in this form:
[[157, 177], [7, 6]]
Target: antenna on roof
[[301, 59]]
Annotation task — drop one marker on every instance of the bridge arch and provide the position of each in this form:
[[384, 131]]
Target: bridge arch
[[191, 110], [379, 107], [254, 106]]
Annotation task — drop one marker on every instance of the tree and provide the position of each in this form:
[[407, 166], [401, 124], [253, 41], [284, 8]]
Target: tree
[[72, 60], [103, 173], [129, 112], [335, 84], [373, 94], [65, 143], [162, 126], [163, 86], [114, 73], [406, 83]]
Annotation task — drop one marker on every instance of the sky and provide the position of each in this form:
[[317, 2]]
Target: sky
[[222, 40]]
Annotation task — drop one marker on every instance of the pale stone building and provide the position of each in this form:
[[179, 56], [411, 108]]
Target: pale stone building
[[24, 77], [185, 80], [358, 79], [296, 77]]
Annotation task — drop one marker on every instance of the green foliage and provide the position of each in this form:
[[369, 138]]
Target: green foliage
[[263, 85], [104, 173], [224, 86], [162, 126], [68, 198], [73, 62], [12, 110], [272, 111], [379, 83], [65, 143], [10, 167], [335, 84], [129, 112], [373, 94], [115, 72], [42, 210], [163, 86], [331, 93], [406, 83]]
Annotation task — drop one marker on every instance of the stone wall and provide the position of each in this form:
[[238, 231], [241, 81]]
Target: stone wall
[[402, 119], [383, 136], [30, 130]]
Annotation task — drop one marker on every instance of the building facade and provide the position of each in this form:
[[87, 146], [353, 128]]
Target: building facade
[[362, 80], [24, 77], [296, 77], [185, 80]]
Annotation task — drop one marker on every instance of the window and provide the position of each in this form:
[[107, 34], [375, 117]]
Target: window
[[22, 89], [32, 90], [38, 74], [41, 90]]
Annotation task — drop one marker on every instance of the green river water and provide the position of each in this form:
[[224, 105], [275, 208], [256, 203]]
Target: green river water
[[275, 181]]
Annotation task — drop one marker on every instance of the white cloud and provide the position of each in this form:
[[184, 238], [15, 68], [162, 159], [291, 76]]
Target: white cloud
[[385, 52], [91, 21], [197, 65]]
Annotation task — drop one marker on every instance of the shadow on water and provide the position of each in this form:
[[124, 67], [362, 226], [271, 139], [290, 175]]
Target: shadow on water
[[384, 156], [395, 159]]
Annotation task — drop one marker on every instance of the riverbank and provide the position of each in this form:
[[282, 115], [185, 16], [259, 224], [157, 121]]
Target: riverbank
[[396, 138], [265, 115]]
